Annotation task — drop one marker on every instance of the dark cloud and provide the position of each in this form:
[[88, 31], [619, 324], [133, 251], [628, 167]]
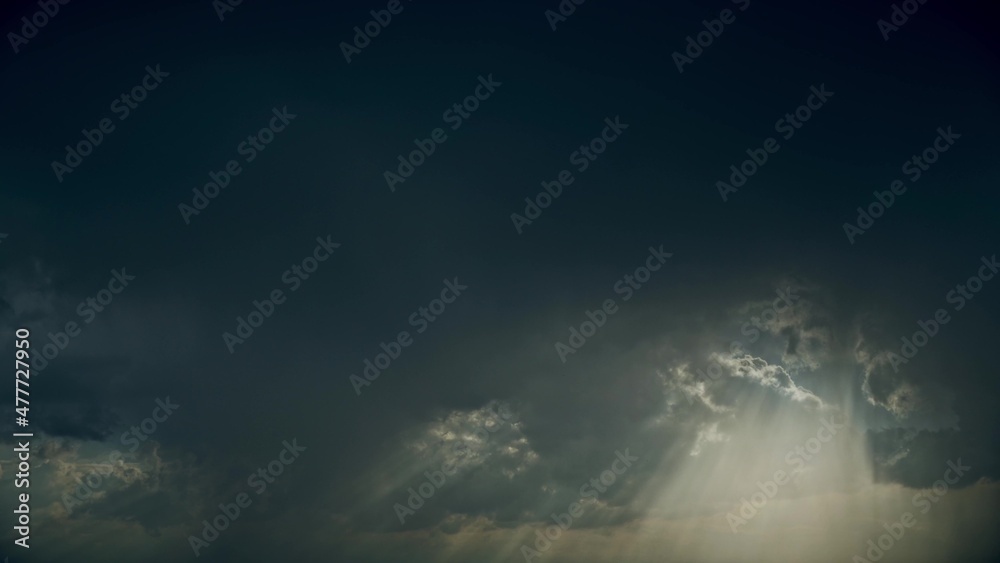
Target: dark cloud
[[765, 324]]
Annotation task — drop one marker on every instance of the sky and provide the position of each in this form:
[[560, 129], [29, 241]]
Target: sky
[[420, 281]]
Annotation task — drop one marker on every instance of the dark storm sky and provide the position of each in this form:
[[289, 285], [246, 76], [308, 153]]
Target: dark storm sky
[[323, 176]]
